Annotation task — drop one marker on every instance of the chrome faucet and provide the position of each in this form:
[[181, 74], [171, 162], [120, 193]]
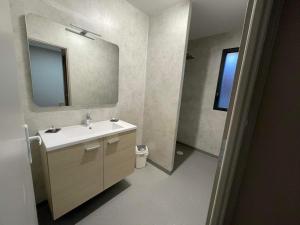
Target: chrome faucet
[[88, 120]]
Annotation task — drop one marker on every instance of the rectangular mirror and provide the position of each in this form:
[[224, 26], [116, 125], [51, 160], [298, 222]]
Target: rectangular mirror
[[69, 66]]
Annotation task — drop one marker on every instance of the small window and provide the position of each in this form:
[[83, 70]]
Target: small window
[[226, 78]]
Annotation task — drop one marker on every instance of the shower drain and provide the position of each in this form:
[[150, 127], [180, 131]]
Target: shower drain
[[179, 152]]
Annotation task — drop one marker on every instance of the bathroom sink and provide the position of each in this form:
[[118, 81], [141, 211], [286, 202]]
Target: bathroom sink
[[105, 126], [93, 129], [79, 133], [73, 132]]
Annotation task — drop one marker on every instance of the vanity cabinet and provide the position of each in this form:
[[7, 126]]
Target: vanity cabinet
[[76, 173], [119, 157]]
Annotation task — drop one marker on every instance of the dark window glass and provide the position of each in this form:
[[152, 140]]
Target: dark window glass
[[226, 78]]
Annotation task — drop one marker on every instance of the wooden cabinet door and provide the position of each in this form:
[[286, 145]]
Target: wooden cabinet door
[[119, 157], [75, 175]]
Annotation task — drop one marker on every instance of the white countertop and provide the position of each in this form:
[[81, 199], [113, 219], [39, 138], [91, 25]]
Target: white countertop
[[71, 135]]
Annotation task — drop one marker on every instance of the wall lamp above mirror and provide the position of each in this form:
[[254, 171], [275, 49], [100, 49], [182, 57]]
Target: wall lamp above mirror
[[75, 68], [82, 32]]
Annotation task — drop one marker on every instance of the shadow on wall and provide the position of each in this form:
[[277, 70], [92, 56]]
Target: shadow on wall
[[191, 103]]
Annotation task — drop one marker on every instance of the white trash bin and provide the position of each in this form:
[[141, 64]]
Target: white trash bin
[[142, 153]]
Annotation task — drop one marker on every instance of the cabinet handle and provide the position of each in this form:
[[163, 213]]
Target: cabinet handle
[[113, 140], [89, 149]]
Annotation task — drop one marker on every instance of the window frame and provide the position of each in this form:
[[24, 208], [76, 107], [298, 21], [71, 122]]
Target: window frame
[[220, 77]]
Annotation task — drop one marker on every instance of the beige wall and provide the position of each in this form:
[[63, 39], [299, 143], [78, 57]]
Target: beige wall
[[199, 125], [165, 63], [118, 22]]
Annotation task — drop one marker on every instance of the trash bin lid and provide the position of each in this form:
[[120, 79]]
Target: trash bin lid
[[141, 149]]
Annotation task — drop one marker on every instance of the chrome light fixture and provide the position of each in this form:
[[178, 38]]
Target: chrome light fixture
[[82, 32]]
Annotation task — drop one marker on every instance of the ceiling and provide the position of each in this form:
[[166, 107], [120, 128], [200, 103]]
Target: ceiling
[[209, 17], [152, 6]]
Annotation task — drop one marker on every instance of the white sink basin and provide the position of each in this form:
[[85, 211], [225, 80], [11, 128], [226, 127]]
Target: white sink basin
[[74, 132], [95, 128], [71, 135], [105, 126]]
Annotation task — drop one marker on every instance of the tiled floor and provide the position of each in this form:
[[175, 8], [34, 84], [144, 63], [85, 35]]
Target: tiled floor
[[149, 197]]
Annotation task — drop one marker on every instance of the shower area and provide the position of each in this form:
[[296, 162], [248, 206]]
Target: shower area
[[209, 74]]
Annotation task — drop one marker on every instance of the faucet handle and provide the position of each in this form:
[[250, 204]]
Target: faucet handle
[[114, 119]]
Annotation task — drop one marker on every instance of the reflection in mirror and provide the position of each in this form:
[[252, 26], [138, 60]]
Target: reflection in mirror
[[48, 74], [68, 68]]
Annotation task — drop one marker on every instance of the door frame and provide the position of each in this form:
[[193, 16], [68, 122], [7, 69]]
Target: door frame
[[262, 18]]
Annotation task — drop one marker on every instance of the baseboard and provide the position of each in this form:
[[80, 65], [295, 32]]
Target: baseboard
[[199, 150], [170, 172], [159, 167]]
